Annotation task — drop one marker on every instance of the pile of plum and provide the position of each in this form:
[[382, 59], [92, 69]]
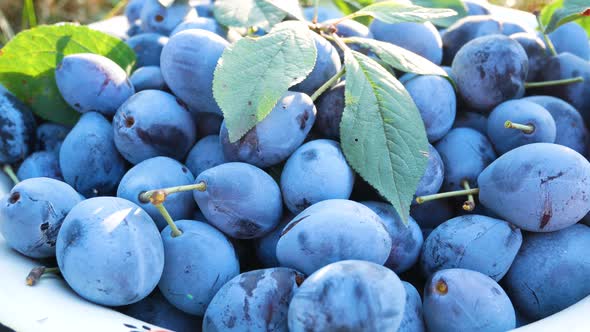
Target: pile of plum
[[149, 208]]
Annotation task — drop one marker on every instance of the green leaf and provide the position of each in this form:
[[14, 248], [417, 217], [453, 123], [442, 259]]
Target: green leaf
[[402, 11], [27, 64], [262, 14], [254, 73], [350, 6], [456, 5], [561, 12], [29, 15], [382, 133]]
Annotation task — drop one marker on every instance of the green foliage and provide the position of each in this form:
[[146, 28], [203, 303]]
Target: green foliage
[[560, 12], [350, 6], [456, 5], [28, 62], [263, 14], [402, 11], [29, 15]]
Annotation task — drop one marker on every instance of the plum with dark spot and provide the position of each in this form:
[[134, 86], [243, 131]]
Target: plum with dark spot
[[50, 136], [571, 131], [266, 246], [110, 251], [148, 48], [205, 154], [465, 300], [40, 164], [254, 301], [571, 38], [157, 18], [331, 231], [88, 158], [153, 123], [32, 214], [490, 70], [438, 117], [204, 23], [473, 120], [198, 263], [413, 320], [241, 200], [536, 52], [330, 106], [406, 239], [92, 83], [350, 295], [148, 78], [464, 31], [158, 173], [473, 242], [539, 187], [420, 38], [550, 273], [276, 137], [327, 65], [315, 172], [188, 61], [17, 129], [156, 310], [524, 113], [465, 152]]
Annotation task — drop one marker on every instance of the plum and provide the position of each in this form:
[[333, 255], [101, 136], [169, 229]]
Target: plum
[[204, 23], [40, 164], [148, 48], [464, 31], [420, 38], [429, 215], [327, 65], [206, 153], [148, 78], [50, 136], [330, 106], [570, 38], [266, 246], [413, 320], [17, 129], [157, 18], [536, 52], [473, 120]]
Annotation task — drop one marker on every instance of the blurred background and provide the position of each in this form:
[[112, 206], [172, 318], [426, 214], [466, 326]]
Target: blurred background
[[86, 11]]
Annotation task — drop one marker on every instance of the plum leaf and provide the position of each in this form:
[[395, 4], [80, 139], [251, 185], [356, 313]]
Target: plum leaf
[[254, 73], [382, 133], [350, 6], [456, 5], [262, 14], [27, 64], [561, 12], [402, 11]]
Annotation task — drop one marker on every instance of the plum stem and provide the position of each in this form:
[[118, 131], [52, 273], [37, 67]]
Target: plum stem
[[159, 195], [469, 204], [10, 172], [525, 128], [328, 84], [577, 79], [546, 38], [175, 231], [315, 11], [423, 199], [37, 272]]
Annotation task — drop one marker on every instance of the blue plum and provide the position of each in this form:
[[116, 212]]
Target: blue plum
[[473, 242], [17, 129], [571, 38], [204, 23], [350, 295], [490, 70], [315, 172], [327, 65], [570, 128], [40, 164], [198, 263], [92, 83], [254, 301], [276, 137], [241, 200], [148, 78], [88, 158], [50, 136], [420, 38], [157, 18], [510, 27], [536, 52], [550, 273], [148, 48], [540, 187], [208, 124], [520, 112], [156, 310], [330, 106], [413, 320], [429, 215], [158, 173], [153, 123], [205, 8], [109, 251], [351, 28], [476, 8], [205, 154], [32, 214], [331, 231], [465, 300], [133, 10], [406, 239], [472, 120], [465, 152], [266, 246], [188, 61], [464, 31], [438, 117]]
